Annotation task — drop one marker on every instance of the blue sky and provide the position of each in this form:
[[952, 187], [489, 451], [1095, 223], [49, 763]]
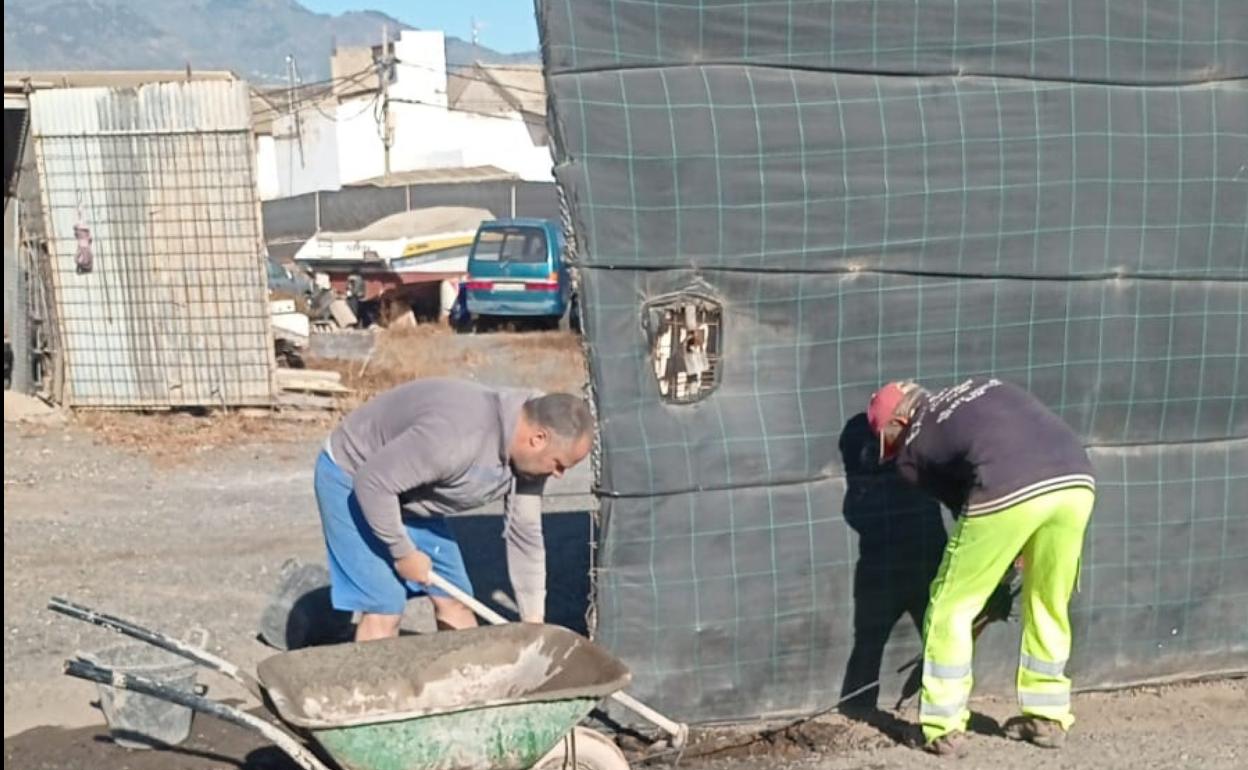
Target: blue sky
[[506, 25]]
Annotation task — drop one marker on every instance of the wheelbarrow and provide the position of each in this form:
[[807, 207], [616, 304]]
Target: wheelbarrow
[[505, 697]]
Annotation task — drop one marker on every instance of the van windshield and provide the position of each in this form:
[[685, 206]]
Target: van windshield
[[512, 244]]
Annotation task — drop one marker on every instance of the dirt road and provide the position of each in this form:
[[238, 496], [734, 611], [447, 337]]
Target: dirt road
[[182, 522], [1172, 728], [1177, 728], [176, 546], [197, 542]]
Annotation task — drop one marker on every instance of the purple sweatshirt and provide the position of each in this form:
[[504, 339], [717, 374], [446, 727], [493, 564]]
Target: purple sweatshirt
[[985, 445]]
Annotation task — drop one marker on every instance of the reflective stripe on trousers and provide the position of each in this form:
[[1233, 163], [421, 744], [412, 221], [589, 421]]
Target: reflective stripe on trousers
[[946, 690], [1042, 666], [1048, 531]]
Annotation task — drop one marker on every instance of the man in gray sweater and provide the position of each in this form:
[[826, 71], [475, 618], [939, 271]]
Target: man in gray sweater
[[397, 467]]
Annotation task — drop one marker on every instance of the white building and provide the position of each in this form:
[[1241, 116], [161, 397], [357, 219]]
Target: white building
[[478, 116]]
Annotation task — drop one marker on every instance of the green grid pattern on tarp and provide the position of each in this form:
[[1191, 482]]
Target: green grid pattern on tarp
[[1085, 239], [1087, 40], [774, 600], [763, 169]]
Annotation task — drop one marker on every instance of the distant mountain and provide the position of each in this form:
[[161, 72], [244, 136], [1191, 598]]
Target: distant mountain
[[250, 37]]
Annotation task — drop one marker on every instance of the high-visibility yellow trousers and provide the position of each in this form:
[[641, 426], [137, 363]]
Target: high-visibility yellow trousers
[[1048, 532]]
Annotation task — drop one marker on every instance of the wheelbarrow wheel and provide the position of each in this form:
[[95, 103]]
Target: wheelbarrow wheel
[[593, 751]]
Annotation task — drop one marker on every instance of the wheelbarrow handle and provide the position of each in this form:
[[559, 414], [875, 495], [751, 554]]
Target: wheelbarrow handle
[[157, 639], [679, 732], [83, 669]]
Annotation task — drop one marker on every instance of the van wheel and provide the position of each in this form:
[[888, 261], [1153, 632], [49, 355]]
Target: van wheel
[[570, 321], [574, 314]]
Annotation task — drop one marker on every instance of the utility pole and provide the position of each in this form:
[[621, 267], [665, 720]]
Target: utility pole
[[292, 79], [387, 67], [290, 82]]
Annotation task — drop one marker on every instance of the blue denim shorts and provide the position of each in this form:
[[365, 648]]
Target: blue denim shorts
[[362, 576]]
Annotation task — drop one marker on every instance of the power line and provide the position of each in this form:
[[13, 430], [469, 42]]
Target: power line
[[316, 90], [486, 80], [448, 108], [328, 87], [506, 67], [370, 105], [323, 89]]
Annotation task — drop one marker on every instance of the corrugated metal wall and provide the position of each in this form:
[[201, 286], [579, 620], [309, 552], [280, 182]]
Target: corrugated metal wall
[[174, 312]]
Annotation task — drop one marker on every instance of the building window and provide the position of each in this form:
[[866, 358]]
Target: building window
[[685, 347]]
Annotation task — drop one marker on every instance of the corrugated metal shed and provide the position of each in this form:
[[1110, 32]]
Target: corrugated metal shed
[[43, 79], [174, 310]]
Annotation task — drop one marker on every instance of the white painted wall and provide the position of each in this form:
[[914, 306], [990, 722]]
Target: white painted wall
[[428, 137], [361, 153], [306, 153], [503, 143], [266, 168], [421, 73], [343, 144]]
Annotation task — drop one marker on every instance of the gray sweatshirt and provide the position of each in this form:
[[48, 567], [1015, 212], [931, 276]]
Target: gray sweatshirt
[[438, 447]]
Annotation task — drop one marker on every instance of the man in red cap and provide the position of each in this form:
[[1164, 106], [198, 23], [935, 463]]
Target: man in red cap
[[1019, 481]]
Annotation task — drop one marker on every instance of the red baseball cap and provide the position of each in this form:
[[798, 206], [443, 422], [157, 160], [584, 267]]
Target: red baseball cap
[[880, 411]]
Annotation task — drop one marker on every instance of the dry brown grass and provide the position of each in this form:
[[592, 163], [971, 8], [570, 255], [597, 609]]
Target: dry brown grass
[[401, 355], [550, 361]]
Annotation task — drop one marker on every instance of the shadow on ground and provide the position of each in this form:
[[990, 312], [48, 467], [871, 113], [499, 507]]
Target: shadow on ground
[[213, 745]]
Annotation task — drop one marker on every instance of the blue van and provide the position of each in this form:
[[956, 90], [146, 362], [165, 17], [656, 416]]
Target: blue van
[[516, 271]]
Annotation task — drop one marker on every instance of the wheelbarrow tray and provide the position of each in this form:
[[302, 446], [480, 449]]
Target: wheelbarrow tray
[[496, 698]]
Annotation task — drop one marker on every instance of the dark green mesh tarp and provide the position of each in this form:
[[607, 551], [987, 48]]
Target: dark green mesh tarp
[[1051, 193]]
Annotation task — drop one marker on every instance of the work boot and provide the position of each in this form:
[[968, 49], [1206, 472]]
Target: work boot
[[948, 745], [1045, 733]]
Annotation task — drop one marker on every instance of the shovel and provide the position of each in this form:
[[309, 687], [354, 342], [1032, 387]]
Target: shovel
[[678, 731]]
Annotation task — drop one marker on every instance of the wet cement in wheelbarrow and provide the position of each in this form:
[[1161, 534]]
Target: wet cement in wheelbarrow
[[362, 683]]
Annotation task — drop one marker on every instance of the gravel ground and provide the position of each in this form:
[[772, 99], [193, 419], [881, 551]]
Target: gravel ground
[[181, 522], [199, 541]]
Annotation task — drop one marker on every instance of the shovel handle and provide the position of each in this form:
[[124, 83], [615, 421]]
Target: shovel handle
[[469, 601], [678, 731]]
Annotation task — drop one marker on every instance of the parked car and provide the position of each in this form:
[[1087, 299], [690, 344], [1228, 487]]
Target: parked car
[[516, 271]]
